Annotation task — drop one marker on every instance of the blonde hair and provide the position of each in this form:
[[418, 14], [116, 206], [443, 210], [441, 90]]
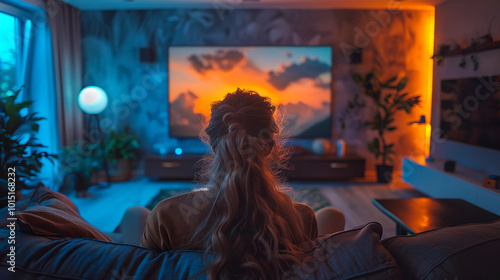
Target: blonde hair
[[253, 229]]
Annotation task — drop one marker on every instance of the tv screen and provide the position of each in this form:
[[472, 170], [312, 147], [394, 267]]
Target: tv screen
[[298, 78], [470, 111]]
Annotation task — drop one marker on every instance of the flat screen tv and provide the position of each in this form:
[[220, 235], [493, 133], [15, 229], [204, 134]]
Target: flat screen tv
[[470, 111], [299, 78]]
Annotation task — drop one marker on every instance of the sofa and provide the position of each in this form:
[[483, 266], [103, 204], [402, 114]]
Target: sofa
[[47, 250]]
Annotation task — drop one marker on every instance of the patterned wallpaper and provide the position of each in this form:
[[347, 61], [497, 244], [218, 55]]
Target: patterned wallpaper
[[391, 41]]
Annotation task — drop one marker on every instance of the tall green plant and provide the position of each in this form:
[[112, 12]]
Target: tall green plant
[[389, 99], [121, 145], [19, 147]]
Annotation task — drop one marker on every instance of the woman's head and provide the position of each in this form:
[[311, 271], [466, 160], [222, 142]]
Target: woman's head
[[247, 112], [252, 226]]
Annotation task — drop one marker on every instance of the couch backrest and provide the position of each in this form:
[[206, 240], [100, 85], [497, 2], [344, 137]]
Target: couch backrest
[[353, 254], [462, 252]]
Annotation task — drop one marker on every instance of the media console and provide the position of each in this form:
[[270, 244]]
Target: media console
[[306, 167]]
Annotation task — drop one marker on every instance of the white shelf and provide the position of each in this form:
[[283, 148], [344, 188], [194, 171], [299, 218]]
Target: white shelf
[[465, 183]]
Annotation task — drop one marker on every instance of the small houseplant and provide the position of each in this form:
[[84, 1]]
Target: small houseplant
[[19, 147], [78, 162], [121, 149], [389, 99]]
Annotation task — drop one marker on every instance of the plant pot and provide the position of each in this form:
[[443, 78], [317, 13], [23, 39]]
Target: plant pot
[[81, 182], [120, 171], [384, 173]]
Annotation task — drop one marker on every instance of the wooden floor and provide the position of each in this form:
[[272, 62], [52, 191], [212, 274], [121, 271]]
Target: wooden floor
[[105, 207]]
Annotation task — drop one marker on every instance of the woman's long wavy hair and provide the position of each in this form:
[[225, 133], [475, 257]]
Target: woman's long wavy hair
[[253, 227]]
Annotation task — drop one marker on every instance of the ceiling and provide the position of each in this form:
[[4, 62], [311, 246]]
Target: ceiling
[[235, 4]]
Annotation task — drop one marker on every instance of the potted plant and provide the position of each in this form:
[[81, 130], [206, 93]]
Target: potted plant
[[20, 151], [121, 149], [389, 99], [78, 162]]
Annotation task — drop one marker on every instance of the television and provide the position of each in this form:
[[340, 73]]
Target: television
[[298, 78], [470, 111]]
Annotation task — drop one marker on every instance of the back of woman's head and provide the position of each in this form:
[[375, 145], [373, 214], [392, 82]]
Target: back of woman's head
[[253, 227]]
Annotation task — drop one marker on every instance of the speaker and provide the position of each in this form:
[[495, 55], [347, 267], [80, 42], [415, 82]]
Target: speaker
[[147, 55]]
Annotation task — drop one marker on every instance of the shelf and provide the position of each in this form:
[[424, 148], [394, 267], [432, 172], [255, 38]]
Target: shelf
[[469, 50]]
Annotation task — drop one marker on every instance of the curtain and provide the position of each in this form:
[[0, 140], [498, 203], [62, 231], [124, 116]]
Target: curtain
[[64, 21]]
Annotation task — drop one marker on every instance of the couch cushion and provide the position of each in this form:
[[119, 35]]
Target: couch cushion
[[350, 254], [353, 254], [38, 195], [55, 218], [461, 252]]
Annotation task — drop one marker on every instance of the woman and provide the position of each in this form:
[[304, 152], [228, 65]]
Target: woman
[[251, 227]]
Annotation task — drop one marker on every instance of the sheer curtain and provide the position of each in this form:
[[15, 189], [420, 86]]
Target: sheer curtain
[[51, 72], [65, 33], [34, 71]]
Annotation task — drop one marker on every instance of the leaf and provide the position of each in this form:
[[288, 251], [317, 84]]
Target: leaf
[[376, 143], [402, 84], [369, 76], [405, 106], [387, 97], [35, 127], [388, 82], [24, 104], [13, 124], [357, 79]]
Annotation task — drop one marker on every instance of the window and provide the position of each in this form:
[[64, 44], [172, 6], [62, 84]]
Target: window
[[14, 42]]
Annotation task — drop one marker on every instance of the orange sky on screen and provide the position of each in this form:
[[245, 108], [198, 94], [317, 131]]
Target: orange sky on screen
[[215, 84]]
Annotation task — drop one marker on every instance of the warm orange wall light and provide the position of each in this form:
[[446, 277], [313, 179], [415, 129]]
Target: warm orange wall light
[[428, 97]]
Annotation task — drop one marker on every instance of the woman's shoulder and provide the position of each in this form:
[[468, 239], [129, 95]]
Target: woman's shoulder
[[303, 208], [185, 198], [192, 203]]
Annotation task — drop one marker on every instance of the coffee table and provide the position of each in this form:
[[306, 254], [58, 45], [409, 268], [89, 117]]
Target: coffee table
[[414, 215]]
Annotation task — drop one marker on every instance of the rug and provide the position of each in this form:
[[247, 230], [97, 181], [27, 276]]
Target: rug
[[308, 195]]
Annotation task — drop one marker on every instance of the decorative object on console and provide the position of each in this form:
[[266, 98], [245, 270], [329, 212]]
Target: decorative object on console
[[121, 149], [420, 121], [19, 147], [492, 182], [387, 96], [93, 100], [341, 148], [320, 146], [449, 166]]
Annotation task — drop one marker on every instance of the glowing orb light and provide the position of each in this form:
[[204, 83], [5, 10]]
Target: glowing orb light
[[178, 151], [92, 100]]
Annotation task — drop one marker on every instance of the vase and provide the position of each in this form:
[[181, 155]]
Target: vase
[[341, 147], [320, 146]]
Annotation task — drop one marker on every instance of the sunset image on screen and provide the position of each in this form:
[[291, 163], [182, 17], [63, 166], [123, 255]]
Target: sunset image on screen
[[297, 78]]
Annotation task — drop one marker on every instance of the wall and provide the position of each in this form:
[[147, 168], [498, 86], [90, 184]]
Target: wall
[[393, 42], [461, 20]]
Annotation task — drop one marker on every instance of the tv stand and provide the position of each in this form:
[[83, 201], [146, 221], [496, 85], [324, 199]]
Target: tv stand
[[305, 167]]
